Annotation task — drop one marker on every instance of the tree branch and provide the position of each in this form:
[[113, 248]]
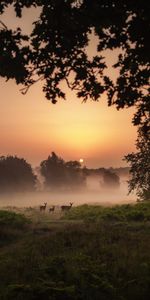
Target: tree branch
[[24, 90], [4, 26]]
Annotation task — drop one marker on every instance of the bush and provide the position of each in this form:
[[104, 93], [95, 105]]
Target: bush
[[137, 212], [12, 219]]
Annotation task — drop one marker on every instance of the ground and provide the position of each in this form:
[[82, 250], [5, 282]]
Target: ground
[[90, 252]]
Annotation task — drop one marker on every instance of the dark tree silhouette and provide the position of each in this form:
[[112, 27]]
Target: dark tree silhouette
[[56, 51], [140, 167], [75, 175], [16, 175], [59, 174], [53, 171], [110, 180]]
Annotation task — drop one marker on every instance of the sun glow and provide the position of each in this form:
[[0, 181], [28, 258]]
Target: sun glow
[[81, 160], [71, 129]]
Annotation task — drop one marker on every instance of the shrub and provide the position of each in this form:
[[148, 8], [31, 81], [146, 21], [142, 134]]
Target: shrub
[[12, 219]]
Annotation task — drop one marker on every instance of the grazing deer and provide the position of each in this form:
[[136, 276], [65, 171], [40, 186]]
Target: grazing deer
[[43, 207], [51, 209], [66, 207]]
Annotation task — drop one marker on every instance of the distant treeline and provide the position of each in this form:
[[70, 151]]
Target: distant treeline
[[122, 171], [18, 175]]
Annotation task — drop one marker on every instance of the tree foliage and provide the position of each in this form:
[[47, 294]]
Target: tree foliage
[[16, 175], [52, 169], [140, 167], [110, 179], [59, 174], [56, 50]]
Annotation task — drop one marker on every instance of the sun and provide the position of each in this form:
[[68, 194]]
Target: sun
[[81, 160]]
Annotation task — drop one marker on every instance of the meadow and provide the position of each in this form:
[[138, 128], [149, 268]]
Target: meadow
[[88, 253]]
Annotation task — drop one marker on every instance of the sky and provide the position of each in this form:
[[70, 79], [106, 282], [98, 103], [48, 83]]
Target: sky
[[32, 127]]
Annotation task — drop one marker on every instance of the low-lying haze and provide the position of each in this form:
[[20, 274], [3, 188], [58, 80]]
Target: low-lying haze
[[93, 194]]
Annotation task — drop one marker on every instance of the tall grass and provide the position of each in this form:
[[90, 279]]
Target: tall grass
[[127, 212], [107, 257]]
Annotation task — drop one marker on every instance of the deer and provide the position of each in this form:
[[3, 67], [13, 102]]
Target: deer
[[43, 207], [66, 207], [51, 209]]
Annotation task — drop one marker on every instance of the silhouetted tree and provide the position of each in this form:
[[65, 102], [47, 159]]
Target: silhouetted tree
[[59, 174], [16, 175], [75, 175], [53, 170], [140, 166], [57, 45], [110, 180], [56, 50]]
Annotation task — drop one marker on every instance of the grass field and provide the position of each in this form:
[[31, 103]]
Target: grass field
[[88, 253]]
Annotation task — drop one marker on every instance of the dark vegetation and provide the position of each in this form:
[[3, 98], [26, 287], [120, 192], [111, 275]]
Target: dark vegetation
[[110, 179], [124, 213], [97, 253], [57, 48], [56, 51], [17, 175], [140, 166], [92, 253], [60, 174]]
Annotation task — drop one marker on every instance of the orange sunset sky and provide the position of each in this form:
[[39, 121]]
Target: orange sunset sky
[[31, 127]]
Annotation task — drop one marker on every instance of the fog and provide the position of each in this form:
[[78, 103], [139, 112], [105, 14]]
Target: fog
[[93, 194]]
